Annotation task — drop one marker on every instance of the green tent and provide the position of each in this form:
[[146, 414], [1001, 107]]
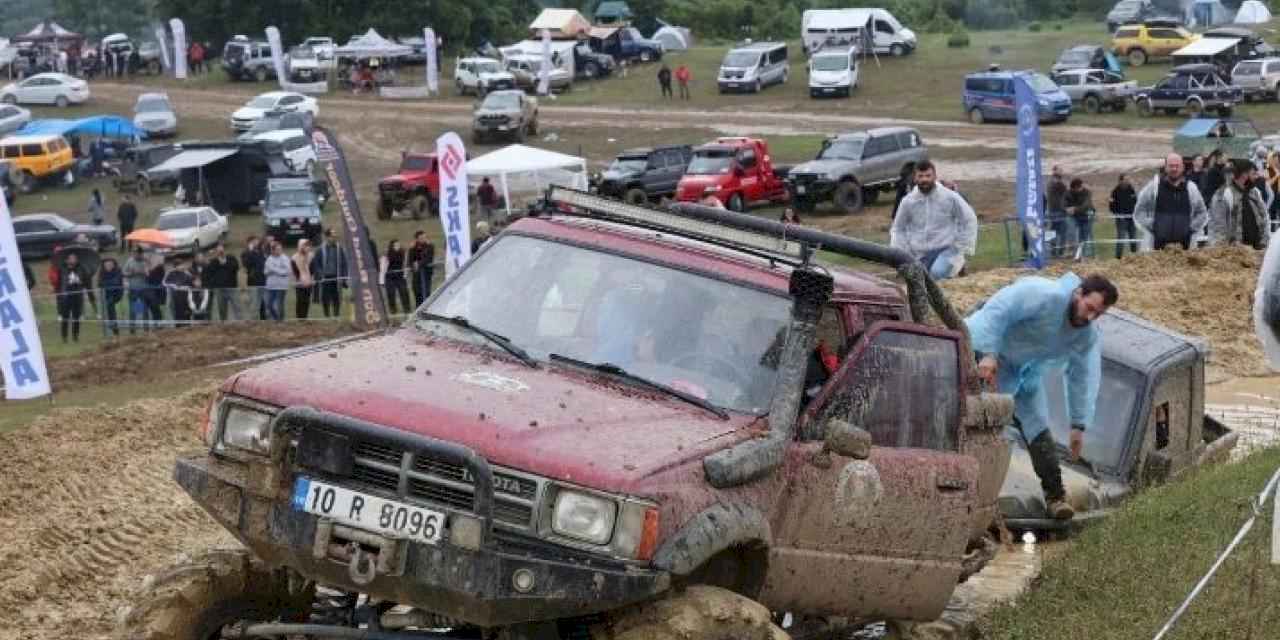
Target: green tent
[[613, 12]]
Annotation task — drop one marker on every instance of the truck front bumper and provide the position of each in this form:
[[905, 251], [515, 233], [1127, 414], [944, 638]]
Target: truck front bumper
[[820, 189]]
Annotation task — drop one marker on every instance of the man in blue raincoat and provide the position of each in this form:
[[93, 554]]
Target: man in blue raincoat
[[1028, 328]]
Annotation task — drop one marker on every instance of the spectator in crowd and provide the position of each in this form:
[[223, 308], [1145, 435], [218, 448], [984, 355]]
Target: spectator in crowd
[[1273, 183], [789, 216], [906, 182], [682, 78], [197, 57], [135, 62], [198, 299], [1123, 199], [73, 279], [329, 267], [127, 216], [1055, 209], [111, 282], [1170, 207], [935, 225], [157, 294], [277, 270], [199, 260], [96, 207], [303, 282], [422, 256], [222, 276], [1079, 205], [393, 278], [488, 197], [664, 81], [135, 275], [480, 237], [1258, 181], [1237, 214], [1198, 170], [178, 281], [254, 262]]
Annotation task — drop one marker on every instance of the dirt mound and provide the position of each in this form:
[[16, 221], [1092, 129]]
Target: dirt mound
[[1207, 293], [162, 353], [89, 509]]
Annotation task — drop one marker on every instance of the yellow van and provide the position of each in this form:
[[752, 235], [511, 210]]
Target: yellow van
[[32, 158]]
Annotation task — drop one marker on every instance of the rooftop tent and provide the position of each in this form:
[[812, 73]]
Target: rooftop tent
[[521, 168], [49, 31], [100, 126], [1208, 13], [1253, 12], [371, 44], [613, 12], [673, 38], [564, 24]]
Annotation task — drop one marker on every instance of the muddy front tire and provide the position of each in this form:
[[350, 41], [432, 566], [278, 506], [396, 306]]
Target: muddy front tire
[[698, 613], [196, 599]]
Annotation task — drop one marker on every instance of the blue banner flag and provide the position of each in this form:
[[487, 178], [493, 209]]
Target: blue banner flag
[[1030, 184]]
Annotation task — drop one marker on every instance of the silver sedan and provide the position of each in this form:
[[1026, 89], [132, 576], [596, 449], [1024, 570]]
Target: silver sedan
[[12, 118]]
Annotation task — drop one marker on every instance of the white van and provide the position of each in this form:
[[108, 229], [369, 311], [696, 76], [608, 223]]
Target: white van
[[753, 67], [833, 72], [854, 27]]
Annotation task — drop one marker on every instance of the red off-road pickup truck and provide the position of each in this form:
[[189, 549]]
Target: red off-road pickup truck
[[416, 187], [738, 171]]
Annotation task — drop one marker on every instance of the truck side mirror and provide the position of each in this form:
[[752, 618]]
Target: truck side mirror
[[845, 439]]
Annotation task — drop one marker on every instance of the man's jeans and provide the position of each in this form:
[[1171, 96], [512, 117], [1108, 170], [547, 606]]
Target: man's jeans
[[228, 298], [1082, 235], [1126, 235], [137, 309], [1058, 222], [938, 262]]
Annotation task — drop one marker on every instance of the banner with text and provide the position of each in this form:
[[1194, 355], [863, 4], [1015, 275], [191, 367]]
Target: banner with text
[[277, 55], [433, 65], [371, 309], [1030, 180], [21, 352], [179, 48], [455, 214]]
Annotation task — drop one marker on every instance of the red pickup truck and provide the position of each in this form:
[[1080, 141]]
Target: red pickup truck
[[737, 171], [416, 187]]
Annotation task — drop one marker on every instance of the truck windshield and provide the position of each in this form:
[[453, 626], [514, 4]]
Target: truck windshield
[[711, 162], [630, 165], [668, 325], [302, 53], [153, 105], [233, 51], [415, 163], [738, 59], [845, 149], [501, 102], [488, 67], [291, 198], [831, 63]]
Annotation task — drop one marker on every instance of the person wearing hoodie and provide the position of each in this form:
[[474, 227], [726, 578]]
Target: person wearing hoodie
[[278, 270], [156, 294], [1170, 207], [198, 301], [178, 281], [111, 282], [1123, 199], [135, 276], [96, 207], [1237, 214]]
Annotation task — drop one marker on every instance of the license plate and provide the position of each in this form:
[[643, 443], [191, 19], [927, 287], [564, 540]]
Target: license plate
[[295, 226], [502, 127], [828, 90], [371, 513], [733, 85], [800, 190]]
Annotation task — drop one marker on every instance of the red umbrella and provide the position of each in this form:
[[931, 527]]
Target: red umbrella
[[151, 236]]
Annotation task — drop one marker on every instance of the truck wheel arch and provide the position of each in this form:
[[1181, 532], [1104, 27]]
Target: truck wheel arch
[[720, 529]]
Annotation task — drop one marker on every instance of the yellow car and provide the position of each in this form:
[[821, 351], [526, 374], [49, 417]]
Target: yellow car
[[1141, 42], [32, 158]]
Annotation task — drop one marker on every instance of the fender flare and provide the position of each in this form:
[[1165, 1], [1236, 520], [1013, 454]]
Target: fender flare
[[714, 529]]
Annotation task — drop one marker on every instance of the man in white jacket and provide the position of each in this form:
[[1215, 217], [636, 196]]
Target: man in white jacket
[[1170, 209], [935, 225]]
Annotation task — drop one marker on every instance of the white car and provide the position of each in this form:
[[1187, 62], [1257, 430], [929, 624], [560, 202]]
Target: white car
[[192, 228], [480, 76], [154, 114], [296, 147], [46, 88], [12, 118], [245, 117]]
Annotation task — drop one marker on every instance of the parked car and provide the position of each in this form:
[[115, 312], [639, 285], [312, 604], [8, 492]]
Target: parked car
[[739, 172], [853, 168], [303, 64], [509, 114], [245, 117], [833, 72], [625, 44], [1139, 43], [149, 54], [1194, 87], [57, 89], [137, 172], [153, 113], [1234, 137], [12, 118], [479, 76], [753, 67], [39, 233], [588, 64], [989, 96], [1258, 79], [642, 175], [415, 187], [243, 59], [1096, 90], [526, 70], [192, 228], [1085, 56], [1137, 11], [276, 120], [291, 210], [36, 158], [296, 147]]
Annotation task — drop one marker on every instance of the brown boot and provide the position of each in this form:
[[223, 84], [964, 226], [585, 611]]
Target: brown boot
[[1060, 510]]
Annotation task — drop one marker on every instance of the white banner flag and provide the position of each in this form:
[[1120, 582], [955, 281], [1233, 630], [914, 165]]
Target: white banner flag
[[544, 71], [455, 215], [21, 353], [277, 55], [179, 48], [433, 69], [164, 48]]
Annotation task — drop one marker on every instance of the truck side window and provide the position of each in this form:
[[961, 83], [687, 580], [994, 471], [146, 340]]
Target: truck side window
[[883, 27], [892, 368], [747, 158]]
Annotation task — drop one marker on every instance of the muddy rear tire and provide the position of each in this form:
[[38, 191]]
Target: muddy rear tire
[[196, 599], [697, 613]]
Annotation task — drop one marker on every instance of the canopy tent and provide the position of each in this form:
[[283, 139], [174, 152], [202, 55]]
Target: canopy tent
[[521, 168], [564, 24], [1207, 13], [561, 52], [673, 38], [371, 45], [192, 159], [49, 31], [1206, 47], [101, 126], [1253, 12], [613, 12]]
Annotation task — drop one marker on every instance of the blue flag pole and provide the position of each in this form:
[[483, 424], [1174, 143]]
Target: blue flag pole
[[1030, 181]]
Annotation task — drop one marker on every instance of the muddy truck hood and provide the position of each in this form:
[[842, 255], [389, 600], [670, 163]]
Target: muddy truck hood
[[554, 421]]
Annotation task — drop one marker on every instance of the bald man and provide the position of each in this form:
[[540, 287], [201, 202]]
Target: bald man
[[1170, 207]]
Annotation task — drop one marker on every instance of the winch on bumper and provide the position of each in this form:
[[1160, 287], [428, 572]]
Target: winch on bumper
[[810, 186], [473, 574]]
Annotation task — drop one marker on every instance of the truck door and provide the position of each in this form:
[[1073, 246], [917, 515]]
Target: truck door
[[884, 35], [891, 528], [749, 162]]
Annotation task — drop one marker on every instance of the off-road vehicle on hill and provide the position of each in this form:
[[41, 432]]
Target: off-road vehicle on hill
[[612, 422], [505, 114], [852, 168]]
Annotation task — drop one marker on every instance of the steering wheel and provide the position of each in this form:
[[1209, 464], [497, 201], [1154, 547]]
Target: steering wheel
[[718, 366]]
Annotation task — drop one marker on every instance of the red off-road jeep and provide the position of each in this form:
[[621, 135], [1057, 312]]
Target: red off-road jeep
[[415, 188], [613, 422]]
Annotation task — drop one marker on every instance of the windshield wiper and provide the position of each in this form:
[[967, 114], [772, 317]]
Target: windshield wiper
[[613, 369], [498, 339]]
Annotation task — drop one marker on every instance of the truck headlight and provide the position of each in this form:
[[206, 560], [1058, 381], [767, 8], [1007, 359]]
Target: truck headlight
[[583, 517], [246, 429]]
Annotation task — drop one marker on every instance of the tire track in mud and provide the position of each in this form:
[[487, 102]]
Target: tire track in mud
[[89, 510]]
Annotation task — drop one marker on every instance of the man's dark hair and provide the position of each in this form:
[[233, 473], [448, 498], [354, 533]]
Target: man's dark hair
[[925, 165], [251, 238], [419, 234], [1241, 167], [1096, 283], [1076, 183]]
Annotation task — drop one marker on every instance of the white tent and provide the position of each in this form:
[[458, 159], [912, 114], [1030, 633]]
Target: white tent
[[371, 44], [521, 168], [1253, 12], [673, 38]]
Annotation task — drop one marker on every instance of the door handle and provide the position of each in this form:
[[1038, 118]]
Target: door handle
[[952, 484]]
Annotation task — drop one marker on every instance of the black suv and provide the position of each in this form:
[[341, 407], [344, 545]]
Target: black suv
[[1194, 87], [639, 175]]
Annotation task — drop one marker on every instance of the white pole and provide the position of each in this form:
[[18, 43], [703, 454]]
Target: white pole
[[506, 195]]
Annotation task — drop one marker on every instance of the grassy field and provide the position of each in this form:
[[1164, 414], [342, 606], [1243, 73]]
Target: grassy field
[[1124, 577]]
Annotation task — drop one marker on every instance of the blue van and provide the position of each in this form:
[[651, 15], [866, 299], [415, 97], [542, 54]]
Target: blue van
[[988, 95]]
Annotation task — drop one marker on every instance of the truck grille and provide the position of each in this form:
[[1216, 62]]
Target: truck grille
[[444, 484], [803, 178], [494, 119]]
